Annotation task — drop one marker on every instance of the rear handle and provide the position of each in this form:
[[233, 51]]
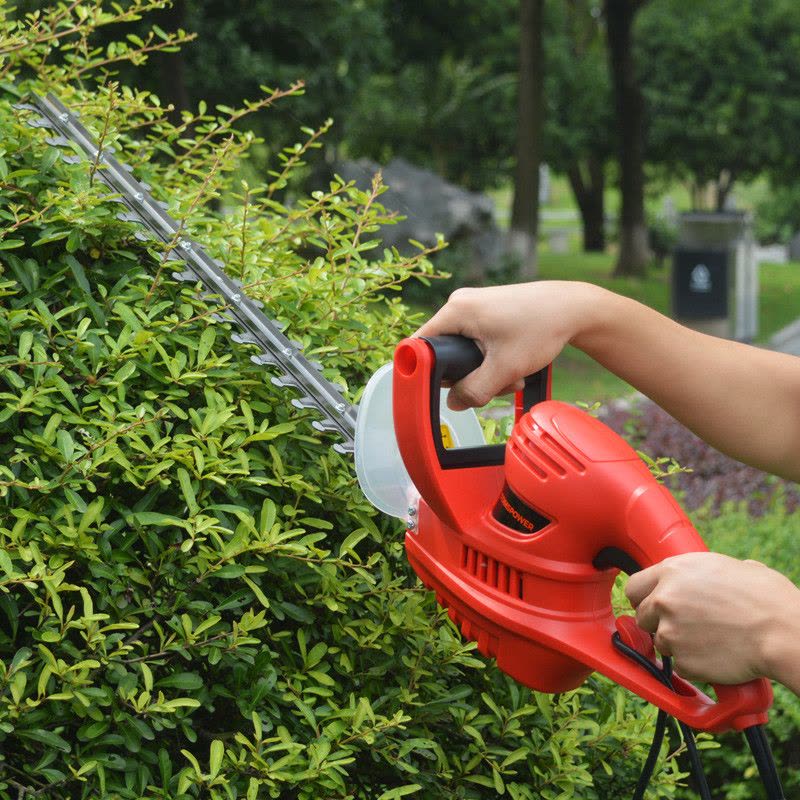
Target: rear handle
[[454, 358]]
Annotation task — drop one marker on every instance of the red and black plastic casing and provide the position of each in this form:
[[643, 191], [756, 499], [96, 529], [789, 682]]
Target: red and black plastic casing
[[522, 542]]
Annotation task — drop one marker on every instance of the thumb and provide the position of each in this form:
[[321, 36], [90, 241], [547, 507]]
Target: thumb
[[477, 388], [642, 584]]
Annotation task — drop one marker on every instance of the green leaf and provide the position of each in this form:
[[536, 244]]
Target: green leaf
[[25, 342], [51, 155], [65, 444], [77, 270], [188, 492], [215, 758], [185, 681], [5, 562], [47, 738], [230, 571], [267, 518], [156, 518], [256, 590], [205, 344], [400, 791]]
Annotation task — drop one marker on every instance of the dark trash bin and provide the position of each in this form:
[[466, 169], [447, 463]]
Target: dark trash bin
[[715, 274]]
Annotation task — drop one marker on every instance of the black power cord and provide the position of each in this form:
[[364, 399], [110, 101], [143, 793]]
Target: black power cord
[[757, 739], [663, 675], [755, 735]]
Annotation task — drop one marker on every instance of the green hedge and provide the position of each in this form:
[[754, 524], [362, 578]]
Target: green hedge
[[195, 599]]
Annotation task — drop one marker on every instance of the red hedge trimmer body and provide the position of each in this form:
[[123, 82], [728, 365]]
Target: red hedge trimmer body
[[512, 547]]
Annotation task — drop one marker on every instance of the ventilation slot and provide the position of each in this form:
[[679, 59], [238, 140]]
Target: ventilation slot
[[535, 468], [539, 461], [492, 572], [562, 451]]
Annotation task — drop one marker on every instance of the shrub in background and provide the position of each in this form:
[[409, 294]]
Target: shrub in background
[[195, 599]]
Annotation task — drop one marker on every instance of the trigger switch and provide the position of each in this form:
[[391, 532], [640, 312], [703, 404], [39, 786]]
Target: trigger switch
[[633, 636]]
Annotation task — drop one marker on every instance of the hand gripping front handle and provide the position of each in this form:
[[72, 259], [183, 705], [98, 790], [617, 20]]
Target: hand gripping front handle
[[454, 357]]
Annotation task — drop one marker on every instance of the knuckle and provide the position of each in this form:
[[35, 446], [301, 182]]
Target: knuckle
[[471, 396], [461, 295], [663, 639]]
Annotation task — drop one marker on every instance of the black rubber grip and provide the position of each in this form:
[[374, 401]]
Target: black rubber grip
[[456, 356]]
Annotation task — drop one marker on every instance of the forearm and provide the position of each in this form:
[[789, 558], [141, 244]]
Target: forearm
[[742, 400]]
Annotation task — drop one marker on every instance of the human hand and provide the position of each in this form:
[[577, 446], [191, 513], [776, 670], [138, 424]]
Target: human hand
[[723, 620], [520, 329]]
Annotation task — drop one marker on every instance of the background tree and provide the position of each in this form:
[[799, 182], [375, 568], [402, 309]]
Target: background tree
[[530, 112], [722, 92], [634, 250], [579, 136], [447, 100]]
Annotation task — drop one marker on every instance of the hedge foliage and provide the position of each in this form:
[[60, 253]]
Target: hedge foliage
[[195, 598]]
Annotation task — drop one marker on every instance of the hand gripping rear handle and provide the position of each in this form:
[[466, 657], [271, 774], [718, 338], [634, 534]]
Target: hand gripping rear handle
[[737, 706]]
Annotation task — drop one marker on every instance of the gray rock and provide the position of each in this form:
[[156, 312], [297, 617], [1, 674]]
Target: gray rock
[[794, 247], [430, 205]]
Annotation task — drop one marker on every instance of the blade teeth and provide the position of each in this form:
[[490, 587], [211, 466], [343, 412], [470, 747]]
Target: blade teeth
[[302, 403], [141, 236], [70, 159], [24, 107], [186, 275], [223, 317], [130, 216], [257, 303], [285, 382], [325, 426], [244, 338], [40, 122], [264, 359], [344, 448], [317, 365], [57, 141]]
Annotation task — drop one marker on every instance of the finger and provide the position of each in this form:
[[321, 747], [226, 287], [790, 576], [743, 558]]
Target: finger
[[662, 642], [477, 388], [517, 386], [647, 616], [641, 584], [444, 321]]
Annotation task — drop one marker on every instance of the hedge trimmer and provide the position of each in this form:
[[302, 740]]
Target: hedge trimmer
[[521, 542]]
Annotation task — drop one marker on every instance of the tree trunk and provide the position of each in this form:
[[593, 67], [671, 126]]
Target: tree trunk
[[588, 186], [634, 250], [724, 185], [530, 108]]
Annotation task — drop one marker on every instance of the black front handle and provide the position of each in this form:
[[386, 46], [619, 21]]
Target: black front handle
[[454, 358]]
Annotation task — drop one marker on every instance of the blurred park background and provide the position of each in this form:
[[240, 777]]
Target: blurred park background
[[296, 655], [543, 139]]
